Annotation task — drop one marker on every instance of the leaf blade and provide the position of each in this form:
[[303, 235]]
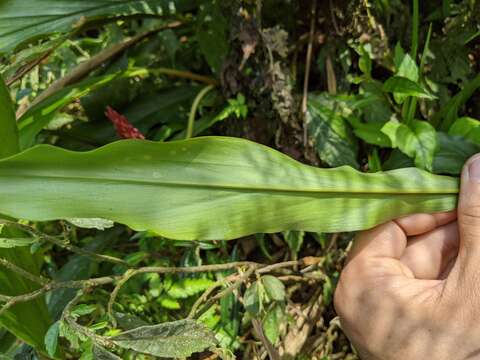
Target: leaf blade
[[210, 188]]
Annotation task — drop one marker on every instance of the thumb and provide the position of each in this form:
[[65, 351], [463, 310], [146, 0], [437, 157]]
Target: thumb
[[469, 215]]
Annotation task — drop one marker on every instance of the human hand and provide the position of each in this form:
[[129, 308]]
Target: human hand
[[411, 287]]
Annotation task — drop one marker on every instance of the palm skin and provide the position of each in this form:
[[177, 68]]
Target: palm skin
[[411, 287]]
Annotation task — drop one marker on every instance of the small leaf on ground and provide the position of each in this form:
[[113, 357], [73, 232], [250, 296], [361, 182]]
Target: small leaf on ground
[[178, 339]]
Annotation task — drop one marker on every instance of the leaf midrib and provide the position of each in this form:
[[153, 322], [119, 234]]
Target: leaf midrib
[[249, 188]]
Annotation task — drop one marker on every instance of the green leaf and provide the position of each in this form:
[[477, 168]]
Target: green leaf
[[274, 288], [214, 188], [8, 123], [452, 153], [408, 69], [294, 239], [449, 113], [24, 21], [273, 321], [99, 353], [51, 338], [329, 130], [99, 224], [6, 243], [212, 34], [83, 309], [418, 142], [178, 339], [253, 298], [467, 128], [403, 86]]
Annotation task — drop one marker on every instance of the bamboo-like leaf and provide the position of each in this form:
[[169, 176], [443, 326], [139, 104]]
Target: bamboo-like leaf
[[24, 20], [210, 188]]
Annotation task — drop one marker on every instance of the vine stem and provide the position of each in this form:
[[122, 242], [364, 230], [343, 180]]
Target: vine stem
[[193, 110]]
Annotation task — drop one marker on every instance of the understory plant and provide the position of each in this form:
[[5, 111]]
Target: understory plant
[[114, 248]]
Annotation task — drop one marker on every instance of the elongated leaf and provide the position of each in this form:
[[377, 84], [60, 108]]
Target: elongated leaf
[[403, 86], [178, 339], [6, 243], [23, 20], [8, 124], [210, 188]]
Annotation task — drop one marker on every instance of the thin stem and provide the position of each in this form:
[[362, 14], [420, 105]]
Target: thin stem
[[65, 245], [415, 29], [193, 110], [184, 74], [308, 64], [34, 278]]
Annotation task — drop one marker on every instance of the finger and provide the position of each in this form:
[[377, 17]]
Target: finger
[[428, 255], [386, 240], [422, 223], [468, 215]]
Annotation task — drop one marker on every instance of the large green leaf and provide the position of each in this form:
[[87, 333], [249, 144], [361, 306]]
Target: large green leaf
[[402, 86], [210, 188], [418, 141], [27, 321], [24, 20], [329, 130]]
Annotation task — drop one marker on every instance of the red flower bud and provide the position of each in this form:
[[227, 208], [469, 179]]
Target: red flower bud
[[124, 129]]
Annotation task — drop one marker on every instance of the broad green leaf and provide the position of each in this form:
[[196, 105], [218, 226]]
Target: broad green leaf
[[467, 128], [452, 152], [212, 34], [274, 288], [23, 21], [329, 130], [403, 86], [418, 141], [211, 188], [51, 339], [178, 339], [8, 123]]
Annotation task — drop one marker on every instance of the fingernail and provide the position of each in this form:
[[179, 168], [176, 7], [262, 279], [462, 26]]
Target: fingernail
[[474, 169]]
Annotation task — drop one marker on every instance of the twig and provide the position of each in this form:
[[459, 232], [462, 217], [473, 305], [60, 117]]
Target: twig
[[106, 280], [313, 21], [193, 110], [272, 352], [65, 245], [334, 19], [225, 292], [184, 74], [85, 68], [34, 278], [29, 67]]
